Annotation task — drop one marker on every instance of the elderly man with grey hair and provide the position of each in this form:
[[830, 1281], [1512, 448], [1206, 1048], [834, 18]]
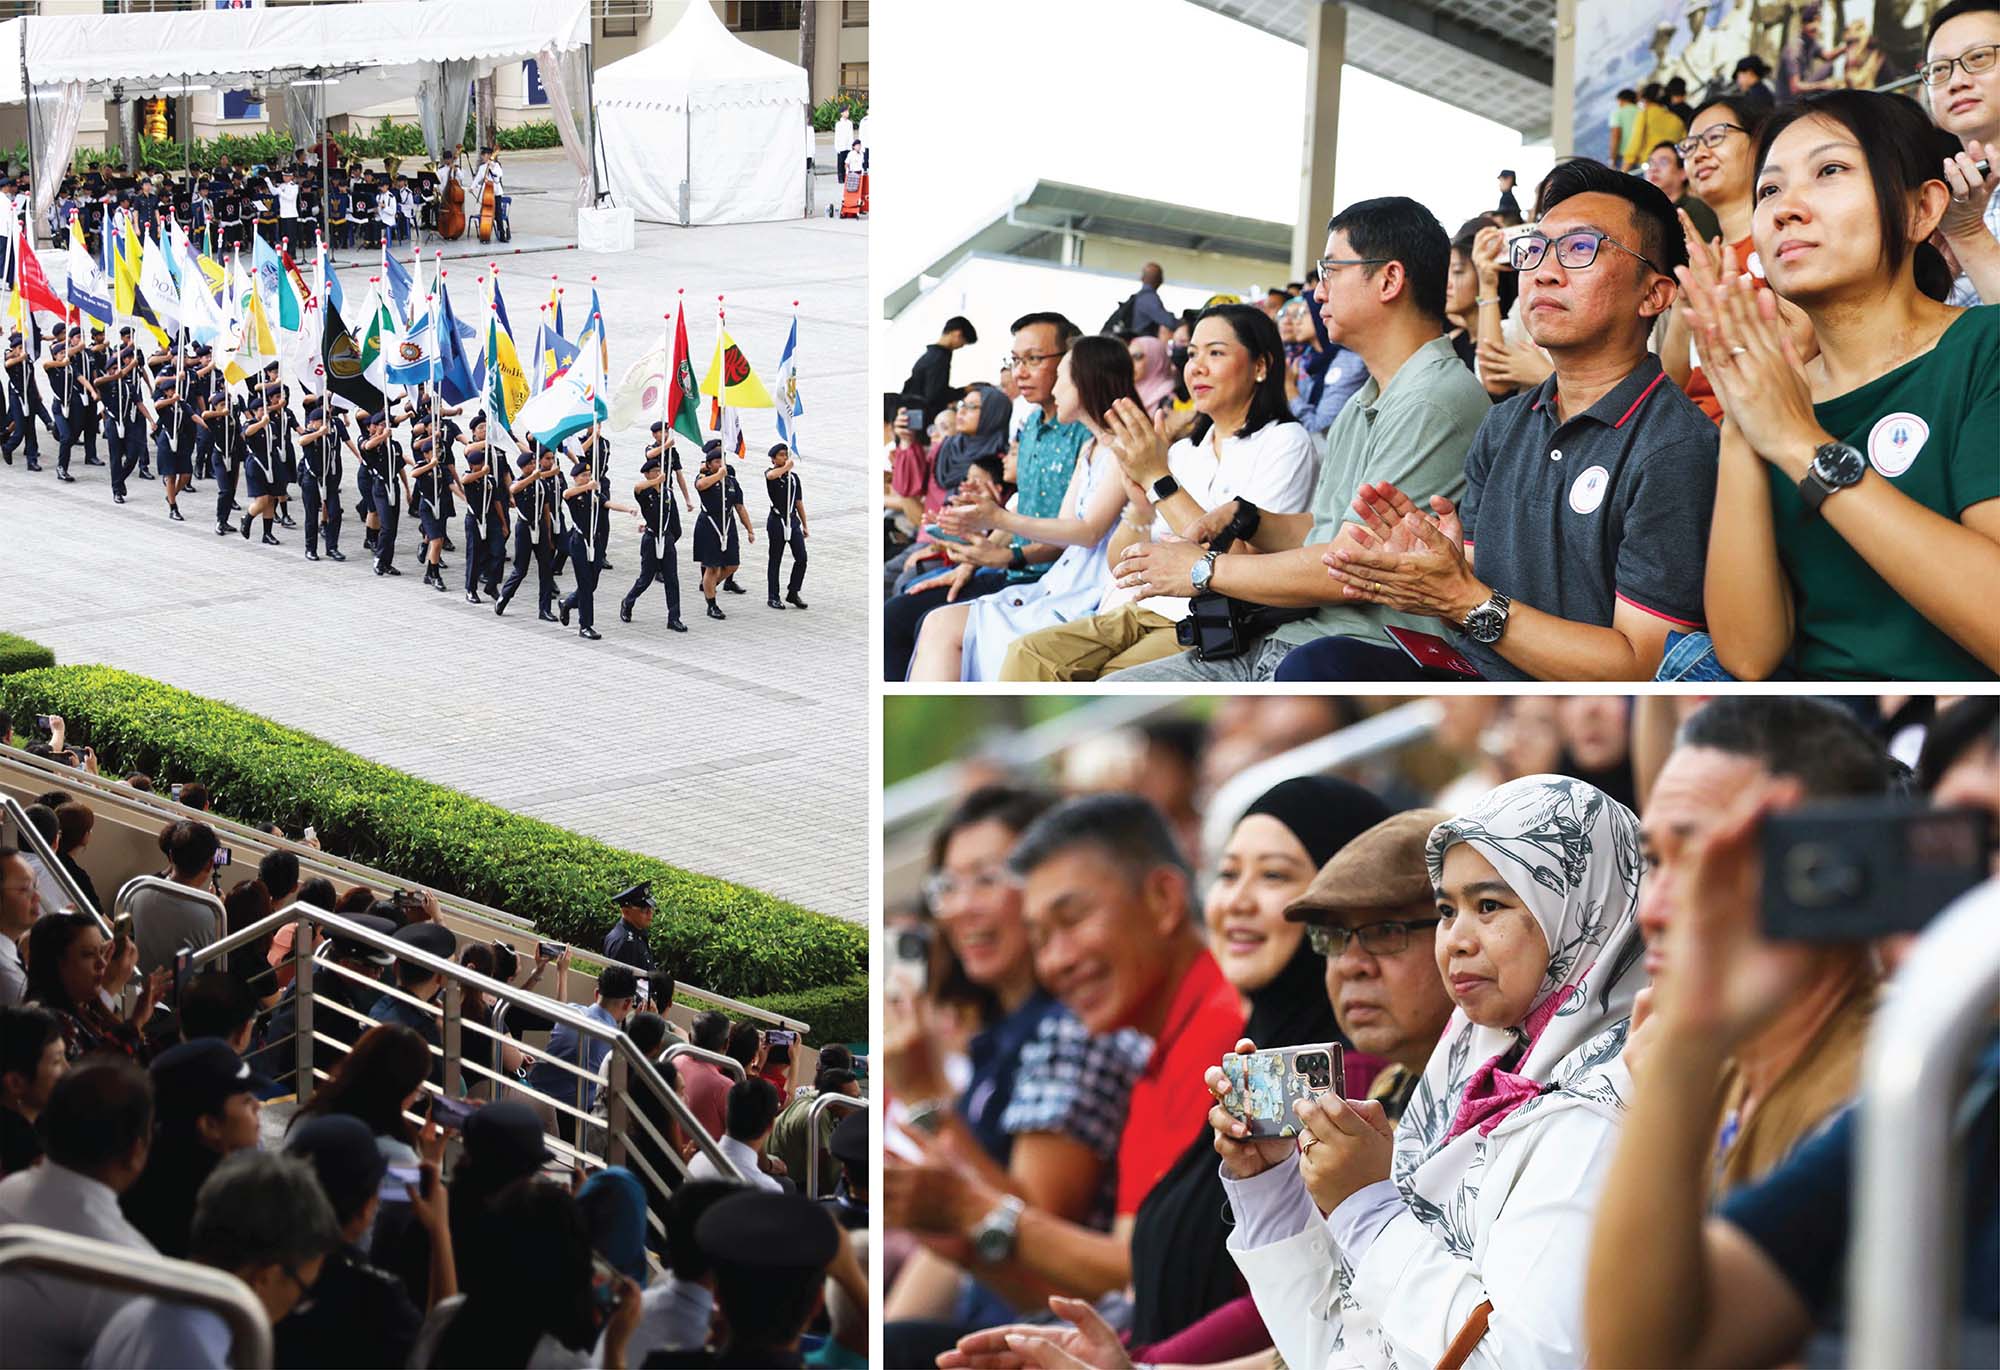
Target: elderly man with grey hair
[[263, 1218]]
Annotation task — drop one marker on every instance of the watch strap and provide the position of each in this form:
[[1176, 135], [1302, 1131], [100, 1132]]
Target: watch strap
[[1019, 560], [1813, 490]]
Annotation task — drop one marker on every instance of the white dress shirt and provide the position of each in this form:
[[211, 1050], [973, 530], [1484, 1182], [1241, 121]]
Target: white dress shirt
[[13, 975], [50, 1320], [742, 1155]]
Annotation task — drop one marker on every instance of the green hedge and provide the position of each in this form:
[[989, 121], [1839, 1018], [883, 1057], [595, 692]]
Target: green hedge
[[737, 941], [19, 654], [838, 1013]]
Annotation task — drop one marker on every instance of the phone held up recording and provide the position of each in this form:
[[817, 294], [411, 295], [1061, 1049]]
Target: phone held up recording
[[1264, 1085]]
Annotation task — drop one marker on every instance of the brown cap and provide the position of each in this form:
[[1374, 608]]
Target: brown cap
[[1381, 869]]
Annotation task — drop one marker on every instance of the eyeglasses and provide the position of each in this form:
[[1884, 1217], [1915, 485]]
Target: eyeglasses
[[1574, 250], [1974, 60], [943, 886], [1711, 136], [1016, 359], [1377, 939], [1325, 262], [965, 404]]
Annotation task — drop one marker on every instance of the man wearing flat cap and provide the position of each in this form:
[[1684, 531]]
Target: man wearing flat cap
[[1372, 913]]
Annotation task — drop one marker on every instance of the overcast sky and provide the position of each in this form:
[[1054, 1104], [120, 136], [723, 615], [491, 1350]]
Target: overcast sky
[[975, 100]]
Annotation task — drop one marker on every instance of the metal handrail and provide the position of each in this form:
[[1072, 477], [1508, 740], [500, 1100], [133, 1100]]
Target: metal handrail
[[628, 1062], [728, 1065], [1903, 1264], [109, 1265], [314, 861], [121, 902], [46, 854], [820, 1105]]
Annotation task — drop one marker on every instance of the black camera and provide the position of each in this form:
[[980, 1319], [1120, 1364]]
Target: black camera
[[1863, 869]]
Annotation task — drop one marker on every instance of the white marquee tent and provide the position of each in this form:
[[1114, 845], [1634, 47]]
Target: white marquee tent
[[702, 128], [346, 57]]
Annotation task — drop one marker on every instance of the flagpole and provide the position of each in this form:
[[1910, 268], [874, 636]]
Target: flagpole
[[666, 440]]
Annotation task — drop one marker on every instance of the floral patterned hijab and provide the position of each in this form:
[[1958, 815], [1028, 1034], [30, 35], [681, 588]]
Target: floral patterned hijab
[[1571, 853]]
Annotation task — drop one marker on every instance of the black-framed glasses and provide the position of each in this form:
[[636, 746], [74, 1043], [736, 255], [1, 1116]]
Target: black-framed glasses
[[1973, 59], [1377, 939], [1325, 262], [1016, 359], [1575, 250], [1711, 137]]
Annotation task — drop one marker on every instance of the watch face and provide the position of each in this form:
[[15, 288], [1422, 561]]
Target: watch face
[[1484, 625], [1839, 465]]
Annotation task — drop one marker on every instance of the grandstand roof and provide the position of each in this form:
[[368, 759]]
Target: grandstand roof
[[1493, 58]]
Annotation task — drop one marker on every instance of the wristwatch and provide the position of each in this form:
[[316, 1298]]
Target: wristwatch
[[1485, 624], [1202, 571], [1835, 466], [993, 1239], [1018, 561], [1165, 487], [927, 1115], [1244, 525]]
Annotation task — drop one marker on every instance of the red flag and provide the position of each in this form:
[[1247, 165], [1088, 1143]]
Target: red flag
[[34, 285], [684, 396]]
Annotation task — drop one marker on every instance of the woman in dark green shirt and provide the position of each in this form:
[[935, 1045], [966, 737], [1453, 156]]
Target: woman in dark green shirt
[[1857, 508]]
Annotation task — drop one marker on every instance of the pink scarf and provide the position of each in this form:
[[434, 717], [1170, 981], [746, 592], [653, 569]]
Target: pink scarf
[[1492, 1093]]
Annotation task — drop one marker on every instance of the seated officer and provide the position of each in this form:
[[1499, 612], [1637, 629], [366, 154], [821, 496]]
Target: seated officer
[[627, 939]]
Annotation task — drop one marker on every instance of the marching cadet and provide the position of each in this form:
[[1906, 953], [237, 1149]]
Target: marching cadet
[[174, 423], [627, 939], [429, 476], [79, 364], [485, 514], [656, 548], [535, 495], [786, 524], [61, 382], [284, 451], [319, 476], [715, 545], [383, 456], [587, 504], [124, 420], [251, 429], [24, 403], [200, 383], [597, 451], [225, 433]]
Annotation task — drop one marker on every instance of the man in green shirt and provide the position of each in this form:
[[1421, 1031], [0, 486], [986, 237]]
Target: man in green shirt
[[1381, 293]]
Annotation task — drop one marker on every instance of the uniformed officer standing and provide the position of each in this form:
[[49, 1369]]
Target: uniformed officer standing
[[62, 388], [715, 542], [786, 525], [627, 939], [656, 547], [319, 476], [597, 451], [536, 495]]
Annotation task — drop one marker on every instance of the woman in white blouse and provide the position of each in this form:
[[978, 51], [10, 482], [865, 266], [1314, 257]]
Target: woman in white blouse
[[1477, 1209]]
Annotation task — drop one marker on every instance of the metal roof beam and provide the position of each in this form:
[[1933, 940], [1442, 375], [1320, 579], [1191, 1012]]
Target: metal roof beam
[[1522, 61]]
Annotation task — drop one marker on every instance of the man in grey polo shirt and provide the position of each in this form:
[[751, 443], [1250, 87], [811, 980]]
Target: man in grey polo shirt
[[1588, 497], [1381, 293], [165, 920]]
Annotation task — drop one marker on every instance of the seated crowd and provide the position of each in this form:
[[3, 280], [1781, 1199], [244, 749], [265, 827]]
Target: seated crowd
[[1590, 1113], [1719, 417], [381, 1223]]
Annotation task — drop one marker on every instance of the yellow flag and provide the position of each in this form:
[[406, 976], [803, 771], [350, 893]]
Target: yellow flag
[[730, 376]]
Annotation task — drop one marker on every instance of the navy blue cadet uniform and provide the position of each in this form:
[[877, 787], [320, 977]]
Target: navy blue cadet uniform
[[785, 526], [319, 479], [598, 454], [534, 536], [24, 404], [627, 939], [656, 548], [586, 514], [385, 465], [124, 422], [485, 540], [225, 433]]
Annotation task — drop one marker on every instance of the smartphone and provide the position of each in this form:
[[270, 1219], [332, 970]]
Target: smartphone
[[121, 929], [450, 1113], [312, 834], [42, 723], [938, 534], [781, 1037], [177, 794], [1508, 237], [909, 974], [221, 857], [1264, 1084], [913, 419], [1862, 869], [1433, 653], [603, 1287], [398, 1181], [551, 950], [645, 991]]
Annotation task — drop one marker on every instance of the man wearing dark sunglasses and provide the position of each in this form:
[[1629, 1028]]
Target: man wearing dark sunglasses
[[1588, 497]]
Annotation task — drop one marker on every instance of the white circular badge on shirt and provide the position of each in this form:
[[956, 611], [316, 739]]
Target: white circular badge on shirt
[[1588, 492], [1895, 440]]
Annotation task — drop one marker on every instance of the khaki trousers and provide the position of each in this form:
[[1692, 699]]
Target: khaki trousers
[[1090, 648]]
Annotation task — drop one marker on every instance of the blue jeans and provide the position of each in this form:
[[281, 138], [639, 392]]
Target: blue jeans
[[1353, 658], [1691, 657]]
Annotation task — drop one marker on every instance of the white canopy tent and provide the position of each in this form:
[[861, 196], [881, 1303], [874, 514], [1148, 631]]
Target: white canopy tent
[[702, 128], [355, 56]]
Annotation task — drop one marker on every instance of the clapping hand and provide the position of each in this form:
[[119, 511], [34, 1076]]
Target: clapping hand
[[1431, 577], [1139, 443], [1754, 364], [1087, 1342]]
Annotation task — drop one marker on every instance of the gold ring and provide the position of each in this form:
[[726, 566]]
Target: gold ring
[[1738, 351], [1308, 1140]]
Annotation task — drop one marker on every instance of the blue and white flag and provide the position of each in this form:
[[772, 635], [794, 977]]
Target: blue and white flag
[[789, 406], [398, 278], [412, 353], [89, 289], [572, 402]]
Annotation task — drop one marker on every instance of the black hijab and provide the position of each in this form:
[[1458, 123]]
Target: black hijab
[[957, 452], [1181, 1269]]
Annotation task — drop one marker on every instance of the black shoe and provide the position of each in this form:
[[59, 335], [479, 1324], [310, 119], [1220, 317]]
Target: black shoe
[[674, 624], [117, 499], [605, 566], [472, 597], [34, 466], [793, 599], [387, 571], [562, 612], [450, 546], [624, 613], [93, 461], [547, 617], [368, 543], [223, 530], [174, 513], [499, 607], [589, 634], [271, 540], [145, 474], [443, 566], [66, 477], [492, 589], [437, 581], [714, 612], [246, 527], [733, 588], [287, 521], [335, 554], [311, 555], [775, 602]]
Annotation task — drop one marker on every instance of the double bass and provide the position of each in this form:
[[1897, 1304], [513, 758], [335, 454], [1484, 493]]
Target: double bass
[[451, 200], [489, 206]]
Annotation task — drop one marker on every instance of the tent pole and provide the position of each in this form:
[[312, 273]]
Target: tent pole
[[687, 166], [34, 172], [325, 176], [590, 103], [187, 139]]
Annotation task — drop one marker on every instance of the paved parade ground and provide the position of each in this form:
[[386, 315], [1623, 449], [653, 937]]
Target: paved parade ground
[[738, 749]]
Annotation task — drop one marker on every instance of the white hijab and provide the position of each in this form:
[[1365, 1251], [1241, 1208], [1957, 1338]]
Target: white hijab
[[1571, 853]]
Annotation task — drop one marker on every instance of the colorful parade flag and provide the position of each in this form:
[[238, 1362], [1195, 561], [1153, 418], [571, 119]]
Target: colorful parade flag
[[730, 379]]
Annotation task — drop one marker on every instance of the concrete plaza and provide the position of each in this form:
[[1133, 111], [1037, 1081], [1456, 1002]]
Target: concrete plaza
[[738, 749]]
